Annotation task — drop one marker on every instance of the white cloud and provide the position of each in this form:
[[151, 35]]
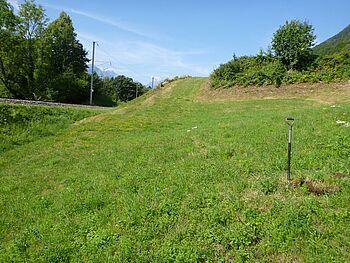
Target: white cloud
[[106, 20], [153, 56], [132, 54]]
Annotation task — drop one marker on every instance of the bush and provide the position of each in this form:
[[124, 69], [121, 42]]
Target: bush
[[292, 61], [248, 71], [264, 70]]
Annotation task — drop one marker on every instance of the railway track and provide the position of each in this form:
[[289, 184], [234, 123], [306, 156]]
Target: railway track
[[46, 103]]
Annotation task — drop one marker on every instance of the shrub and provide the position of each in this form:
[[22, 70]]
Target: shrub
[[264, 70]]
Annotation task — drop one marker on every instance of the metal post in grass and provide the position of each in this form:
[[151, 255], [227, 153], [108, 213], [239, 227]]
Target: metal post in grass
[[290, 122]]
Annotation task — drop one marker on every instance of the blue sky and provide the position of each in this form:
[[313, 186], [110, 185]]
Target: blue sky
[[141, 39]]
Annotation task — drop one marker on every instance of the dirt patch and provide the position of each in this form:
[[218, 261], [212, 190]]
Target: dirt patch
[[341, 175], [317, 187], [322, 92], [320, 188], [298, 183], [284, 258]]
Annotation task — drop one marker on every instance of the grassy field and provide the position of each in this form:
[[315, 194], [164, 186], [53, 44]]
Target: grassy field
[[22, 124], [178, 177]]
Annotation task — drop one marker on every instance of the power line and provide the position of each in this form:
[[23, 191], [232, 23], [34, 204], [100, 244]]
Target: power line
[[117, 60], [124, 67]]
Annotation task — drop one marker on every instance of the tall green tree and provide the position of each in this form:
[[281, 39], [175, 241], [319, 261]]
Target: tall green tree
[[128, 89], [10, 60], [31, 28], [108, 90], [64, 61], [292, 44]]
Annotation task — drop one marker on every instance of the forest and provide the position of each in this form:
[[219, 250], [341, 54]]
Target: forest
[[43, 60]]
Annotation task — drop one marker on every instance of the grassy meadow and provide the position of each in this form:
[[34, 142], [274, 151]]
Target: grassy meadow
[[177, 177], [22, 124]]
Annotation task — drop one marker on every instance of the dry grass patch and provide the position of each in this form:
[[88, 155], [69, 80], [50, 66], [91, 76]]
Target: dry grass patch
[[328, 93]]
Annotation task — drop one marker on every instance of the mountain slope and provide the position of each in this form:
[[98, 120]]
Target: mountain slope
[[339, 42], [102, 72]]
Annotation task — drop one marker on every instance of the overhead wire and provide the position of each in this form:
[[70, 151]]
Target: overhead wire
[[118, 61]]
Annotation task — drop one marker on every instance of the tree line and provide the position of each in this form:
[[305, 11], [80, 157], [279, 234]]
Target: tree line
[[289, 59], [44, 60]]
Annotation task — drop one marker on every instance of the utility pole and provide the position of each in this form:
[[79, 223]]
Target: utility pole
[[152, 82], [92, 71], [116, 91]]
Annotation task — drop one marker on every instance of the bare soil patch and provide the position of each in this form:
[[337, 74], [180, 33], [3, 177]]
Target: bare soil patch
[[328, 93], [341, 175], [317, 187]]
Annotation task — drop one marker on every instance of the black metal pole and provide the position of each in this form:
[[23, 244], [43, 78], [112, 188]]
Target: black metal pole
[[289, 150], [290, 122]]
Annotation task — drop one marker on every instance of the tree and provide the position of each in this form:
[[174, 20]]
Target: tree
[[128, 89], [19, 52], [10, 62], [64, 62], [292, 44], [31, 28]]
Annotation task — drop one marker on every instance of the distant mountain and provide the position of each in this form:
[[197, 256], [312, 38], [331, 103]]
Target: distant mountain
[[103, 72], [339, 42]]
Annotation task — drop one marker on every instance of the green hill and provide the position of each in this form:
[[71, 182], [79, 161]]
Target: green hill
[[180, 175], [339, 42]]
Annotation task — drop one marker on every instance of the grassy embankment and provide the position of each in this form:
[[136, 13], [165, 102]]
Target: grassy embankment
[[22, 124], [179, 176]]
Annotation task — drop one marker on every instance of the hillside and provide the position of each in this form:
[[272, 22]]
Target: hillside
[[337, 43], [180, 176]]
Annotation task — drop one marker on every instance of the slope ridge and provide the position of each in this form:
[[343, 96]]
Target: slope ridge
[[337, 43]]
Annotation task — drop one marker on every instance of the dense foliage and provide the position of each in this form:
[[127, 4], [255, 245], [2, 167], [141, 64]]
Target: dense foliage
[[45, 61], [110, 91], [290, 60], [249, 70], [292, 44], [40, 60]]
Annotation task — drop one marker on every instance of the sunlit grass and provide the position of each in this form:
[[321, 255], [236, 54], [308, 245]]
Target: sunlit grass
[[173, 178]]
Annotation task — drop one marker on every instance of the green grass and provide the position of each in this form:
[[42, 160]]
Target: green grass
[[20, 124], [172, 178]]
